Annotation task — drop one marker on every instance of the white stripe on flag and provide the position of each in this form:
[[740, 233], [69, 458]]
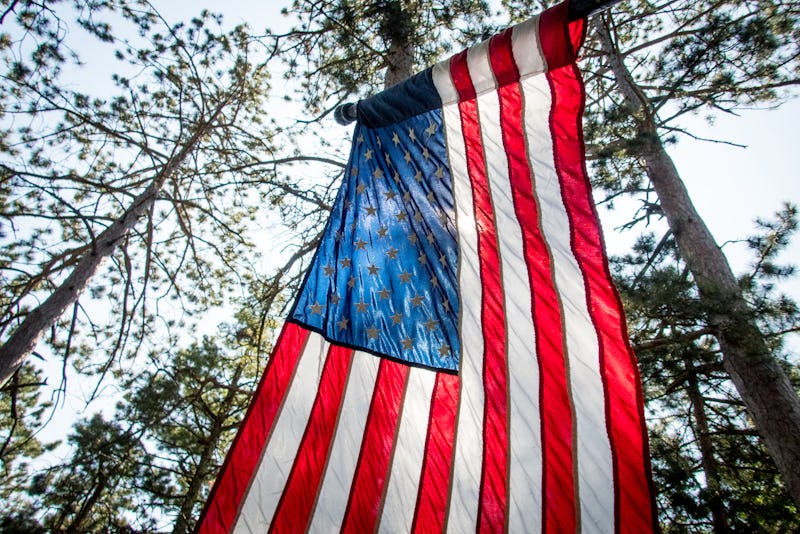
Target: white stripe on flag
[[335, 490], [525, 452], [468, 455], [594, 462], [404, 476], [278, 456], [479, 70], [527, 49], [444, 86]]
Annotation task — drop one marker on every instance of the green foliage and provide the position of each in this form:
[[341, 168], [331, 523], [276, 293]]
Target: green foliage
[[709, 464], [151, 462], [192, 407], [341, 48], [90, 493], [684, 57], [75, 152], [21, 414]]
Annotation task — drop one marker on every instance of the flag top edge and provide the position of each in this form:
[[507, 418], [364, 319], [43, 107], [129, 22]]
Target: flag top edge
[[419, 93]]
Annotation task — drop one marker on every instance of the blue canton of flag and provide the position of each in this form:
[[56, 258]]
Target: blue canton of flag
[[384, 277]]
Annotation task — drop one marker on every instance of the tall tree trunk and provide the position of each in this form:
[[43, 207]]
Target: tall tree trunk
[[765, 389], [190, 499], [400, 63], [719, 515], [397, 31], [40, 319]]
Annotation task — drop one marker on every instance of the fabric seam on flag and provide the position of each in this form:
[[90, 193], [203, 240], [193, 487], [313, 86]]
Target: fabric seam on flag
[[504, 309], [459, 262], [567, 369], [535, 196], [600, 343], [526, 254]]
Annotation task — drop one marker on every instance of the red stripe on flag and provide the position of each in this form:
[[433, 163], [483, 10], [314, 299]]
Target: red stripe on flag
[[492, 510], [558, 487], [438, 460], [237, 471], [559, 45], [299, 495], [634, 510], [380, 433]]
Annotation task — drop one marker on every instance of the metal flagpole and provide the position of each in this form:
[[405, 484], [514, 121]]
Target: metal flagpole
[[577, 9]]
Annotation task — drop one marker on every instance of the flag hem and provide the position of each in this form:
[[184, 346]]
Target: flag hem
[[372, 352]]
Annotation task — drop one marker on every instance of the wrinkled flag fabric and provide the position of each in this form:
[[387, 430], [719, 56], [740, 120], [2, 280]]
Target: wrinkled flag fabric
[[457, 358]]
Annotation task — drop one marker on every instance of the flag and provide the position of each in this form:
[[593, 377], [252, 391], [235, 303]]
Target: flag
[[457, 358]]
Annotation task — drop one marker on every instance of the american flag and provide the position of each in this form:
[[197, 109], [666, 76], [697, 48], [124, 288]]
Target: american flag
[[457, 358]]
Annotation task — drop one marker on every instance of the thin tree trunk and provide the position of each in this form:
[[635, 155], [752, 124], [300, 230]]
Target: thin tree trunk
[[719, 515], [400, 58], [765, 389], [75, 526], [401, 63], [40, 319], [190, 499]]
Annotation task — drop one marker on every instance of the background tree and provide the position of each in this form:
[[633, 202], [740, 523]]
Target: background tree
[[151, 463], [93, 491], [21, 413], [193, 405], [161, 172], [711, 470], [342, 49]]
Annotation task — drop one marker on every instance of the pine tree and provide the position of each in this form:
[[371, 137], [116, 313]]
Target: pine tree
[[711, 470], [138, 193], [93, 491], [193, 406], [345, 48], [152, 461], [21, 413]]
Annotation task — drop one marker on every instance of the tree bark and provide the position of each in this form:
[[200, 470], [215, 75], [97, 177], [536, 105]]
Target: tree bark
[[770, 399], [401, 63], [76, 525], [719, 514], [40, 319], [190, 499], [400, 57]]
